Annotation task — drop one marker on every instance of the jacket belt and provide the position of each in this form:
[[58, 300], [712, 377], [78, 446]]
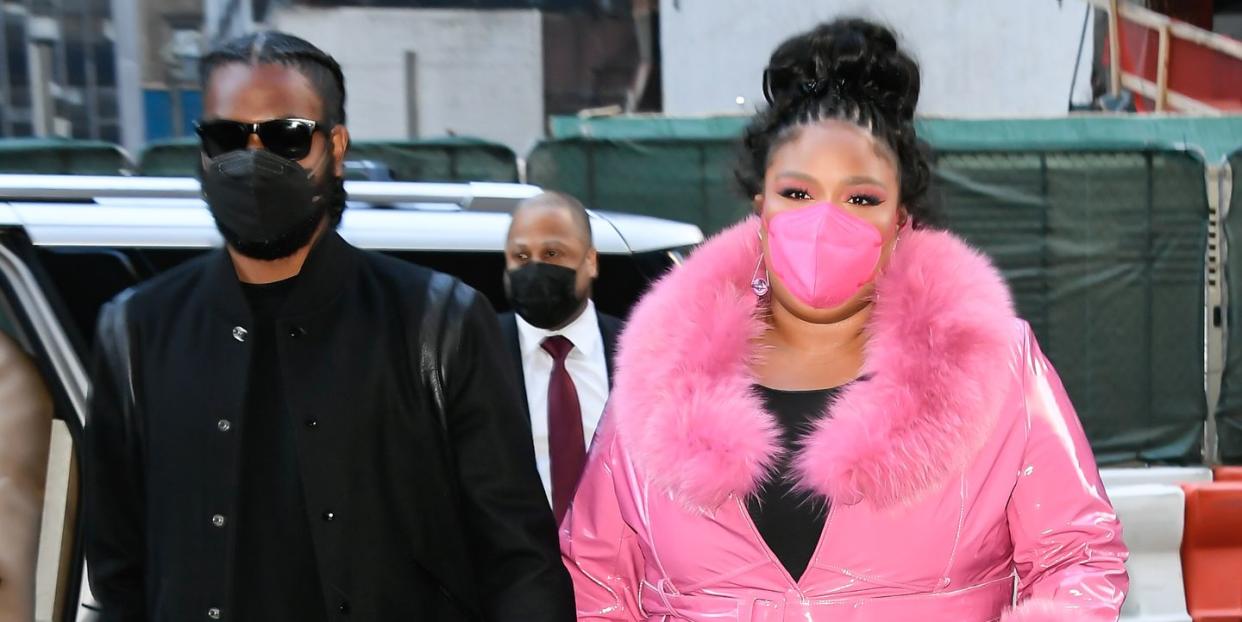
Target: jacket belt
[[978, 603]]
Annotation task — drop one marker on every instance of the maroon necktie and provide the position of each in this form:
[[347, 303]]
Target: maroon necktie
[[565, 437]]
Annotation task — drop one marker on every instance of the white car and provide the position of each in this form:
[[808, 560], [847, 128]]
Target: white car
[[68, 244]]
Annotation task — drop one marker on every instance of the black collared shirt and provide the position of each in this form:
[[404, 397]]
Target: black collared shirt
[[276, 577]]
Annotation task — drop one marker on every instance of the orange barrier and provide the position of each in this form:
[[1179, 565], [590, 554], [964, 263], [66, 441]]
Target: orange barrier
[[1212, 551], [1227, 473]]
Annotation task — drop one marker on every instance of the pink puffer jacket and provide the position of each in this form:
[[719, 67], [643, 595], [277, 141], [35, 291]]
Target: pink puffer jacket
[[955, 470]]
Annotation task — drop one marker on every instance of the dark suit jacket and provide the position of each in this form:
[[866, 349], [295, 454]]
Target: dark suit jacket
[[609, 327]]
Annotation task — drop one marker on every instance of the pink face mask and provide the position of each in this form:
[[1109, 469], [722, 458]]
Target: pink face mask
[[822, 253]]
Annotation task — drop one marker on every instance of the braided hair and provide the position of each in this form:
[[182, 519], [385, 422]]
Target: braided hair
[[847, 70]]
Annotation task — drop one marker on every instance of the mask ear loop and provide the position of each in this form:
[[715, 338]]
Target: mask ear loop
[[323, 159]]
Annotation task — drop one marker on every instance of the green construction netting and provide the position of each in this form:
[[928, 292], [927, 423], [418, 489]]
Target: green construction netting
[[55, 156], [685, 159], [1104, 252], [678, 179], [1215, 137], [446, 159], [678, 168], [1229, 409]]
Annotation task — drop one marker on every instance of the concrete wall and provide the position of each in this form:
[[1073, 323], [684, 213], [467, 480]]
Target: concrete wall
[[476, 73], [980, 58]]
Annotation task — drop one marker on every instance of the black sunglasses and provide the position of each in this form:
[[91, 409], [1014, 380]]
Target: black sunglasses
[[287, 138]]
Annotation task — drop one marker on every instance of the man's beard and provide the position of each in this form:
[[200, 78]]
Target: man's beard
[[297, 237], [278, 248]]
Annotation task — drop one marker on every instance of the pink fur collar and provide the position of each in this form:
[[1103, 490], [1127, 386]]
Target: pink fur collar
[[938, 344]]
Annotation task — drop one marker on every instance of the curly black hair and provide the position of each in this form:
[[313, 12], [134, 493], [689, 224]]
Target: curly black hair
[[279, 48], [850, 70]]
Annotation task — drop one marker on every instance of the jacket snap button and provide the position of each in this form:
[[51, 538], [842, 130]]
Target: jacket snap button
[[224, 425], [213, 613], [312, 423], [329, 516], [344, 607], [240, 333], [218, 520]]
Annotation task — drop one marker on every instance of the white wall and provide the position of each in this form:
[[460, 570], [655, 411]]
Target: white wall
[[979, 58], [479, 73]]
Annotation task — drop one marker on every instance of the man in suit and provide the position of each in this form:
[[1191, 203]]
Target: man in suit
[[562, 347]]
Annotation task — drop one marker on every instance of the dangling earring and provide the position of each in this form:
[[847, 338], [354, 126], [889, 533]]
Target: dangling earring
[[901, 227], [759, 284]]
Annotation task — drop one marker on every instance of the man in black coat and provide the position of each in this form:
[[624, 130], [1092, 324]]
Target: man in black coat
[[294, 429], [562, 348]]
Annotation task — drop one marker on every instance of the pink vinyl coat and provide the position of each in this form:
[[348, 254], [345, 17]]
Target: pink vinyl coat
[[955, 470]]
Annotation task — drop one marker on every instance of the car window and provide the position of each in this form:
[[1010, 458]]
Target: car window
[[480, 270], [8, 318], [86, 278], [622, 278], [157, 260]]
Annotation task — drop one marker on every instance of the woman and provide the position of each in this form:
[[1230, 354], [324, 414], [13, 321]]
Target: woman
[[831, 411]]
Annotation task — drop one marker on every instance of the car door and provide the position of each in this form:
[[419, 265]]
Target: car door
[[32, 320]]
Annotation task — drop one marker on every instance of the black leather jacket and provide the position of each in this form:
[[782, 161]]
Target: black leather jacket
[[414, 438]]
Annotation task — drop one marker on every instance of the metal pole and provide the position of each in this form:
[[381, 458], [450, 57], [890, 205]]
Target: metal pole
[[6, 109], [211, 9], [643, 18], [1162, 72], [62, 55], [40, 68], [34, 88], [1114, 48], [1216, 336], [125, 15], [225, 19], [176, 110], [89, 69]]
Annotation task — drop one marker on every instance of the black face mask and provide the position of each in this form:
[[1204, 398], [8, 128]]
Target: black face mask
[[544, 294], [266, 206]]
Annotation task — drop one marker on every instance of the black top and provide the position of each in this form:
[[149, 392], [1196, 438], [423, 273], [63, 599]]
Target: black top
[[790, 521], [275, 554]]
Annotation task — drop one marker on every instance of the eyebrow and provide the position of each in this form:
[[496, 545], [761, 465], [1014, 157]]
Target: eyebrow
[[862, 179], [557, 242], [802, 176], [849, 181]]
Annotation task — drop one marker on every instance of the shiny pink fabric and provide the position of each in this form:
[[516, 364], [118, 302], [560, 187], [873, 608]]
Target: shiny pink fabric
[[957, 469], [822, 253]]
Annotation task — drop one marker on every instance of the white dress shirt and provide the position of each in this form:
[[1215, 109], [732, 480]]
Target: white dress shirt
[[588, 367]]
